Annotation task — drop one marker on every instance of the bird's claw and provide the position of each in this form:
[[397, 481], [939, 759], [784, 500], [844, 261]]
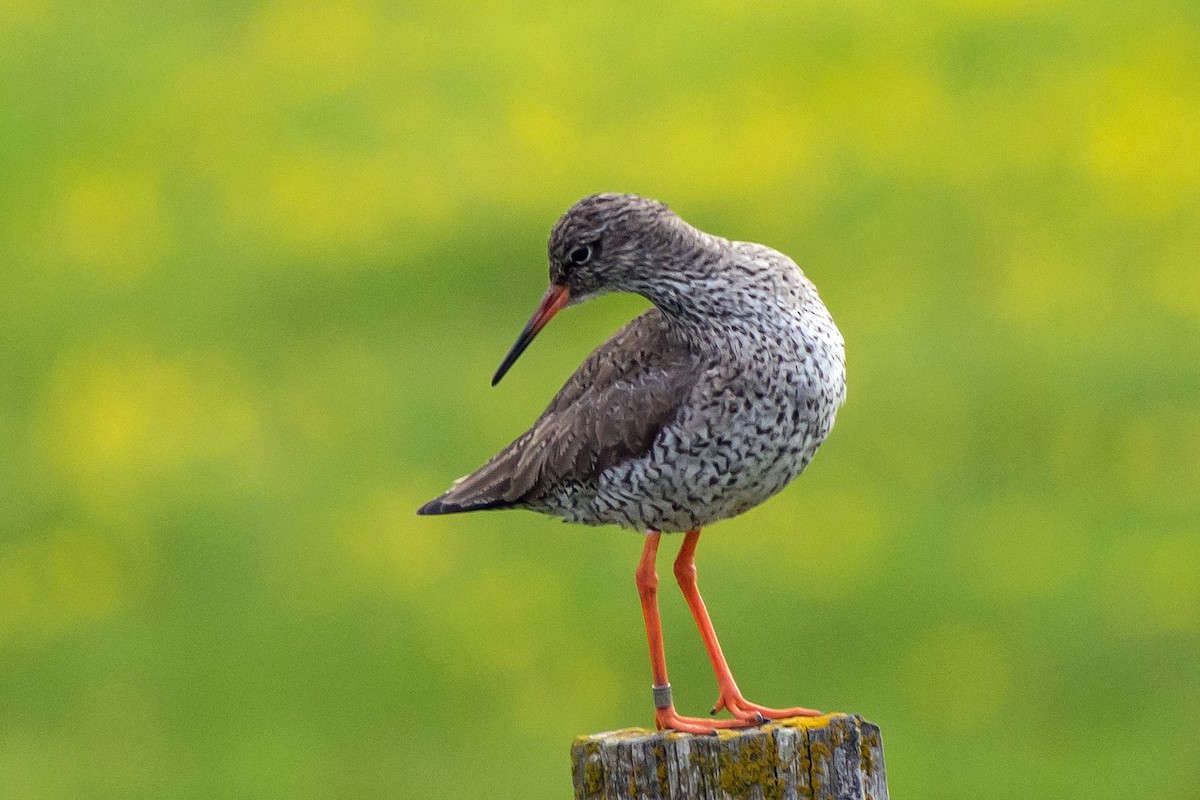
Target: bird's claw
[[754, 714], [748, 714], [669, 719]]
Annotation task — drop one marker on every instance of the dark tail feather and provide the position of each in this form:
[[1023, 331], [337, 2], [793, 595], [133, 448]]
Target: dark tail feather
[[446, 505], [490, 486]]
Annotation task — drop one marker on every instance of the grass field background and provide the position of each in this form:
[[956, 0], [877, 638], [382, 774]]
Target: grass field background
[[260, 260]]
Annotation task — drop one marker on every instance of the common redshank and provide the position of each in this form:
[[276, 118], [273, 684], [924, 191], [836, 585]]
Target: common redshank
[[701, 408]]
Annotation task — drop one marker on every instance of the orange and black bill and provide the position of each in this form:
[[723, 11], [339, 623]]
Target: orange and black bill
[[553, 301]]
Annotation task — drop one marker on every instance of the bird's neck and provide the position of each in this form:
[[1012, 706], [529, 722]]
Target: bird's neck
[[707, 301]]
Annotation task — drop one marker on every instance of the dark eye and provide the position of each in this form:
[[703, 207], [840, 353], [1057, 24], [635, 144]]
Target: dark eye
[[581, 254]]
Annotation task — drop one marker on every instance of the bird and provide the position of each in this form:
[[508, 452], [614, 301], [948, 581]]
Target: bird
[[699, 409]]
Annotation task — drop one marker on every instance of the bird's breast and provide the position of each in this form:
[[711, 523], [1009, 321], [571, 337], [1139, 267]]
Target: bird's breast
[[751, 424]]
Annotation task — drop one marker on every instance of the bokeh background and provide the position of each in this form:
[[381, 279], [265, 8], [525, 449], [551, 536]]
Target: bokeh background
[[260, 259]]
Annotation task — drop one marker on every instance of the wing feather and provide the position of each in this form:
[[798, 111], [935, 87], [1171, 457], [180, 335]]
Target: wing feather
[[611, 409]]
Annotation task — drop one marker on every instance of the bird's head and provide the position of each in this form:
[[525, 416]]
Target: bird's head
[[609, 243], [604, 243]]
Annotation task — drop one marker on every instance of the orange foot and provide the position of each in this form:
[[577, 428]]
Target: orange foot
[[669, 719], [740, 707]]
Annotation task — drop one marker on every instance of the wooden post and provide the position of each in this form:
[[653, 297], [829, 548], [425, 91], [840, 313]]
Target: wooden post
[[834, 757]]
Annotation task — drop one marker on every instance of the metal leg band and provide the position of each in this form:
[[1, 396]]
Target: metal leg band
[[662, 696]]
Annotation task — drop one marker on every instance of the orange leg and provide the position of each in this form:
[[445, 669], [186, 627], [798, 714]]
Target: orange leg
[[665, 715], [730, 696]]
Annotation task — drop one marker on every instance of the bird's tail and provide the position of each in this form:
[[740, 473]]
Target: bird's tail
[[497, 484], [449, 504]]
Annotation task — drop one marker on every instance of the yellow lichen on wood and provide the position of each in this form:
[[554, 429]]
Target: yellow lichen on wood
[[752, 765], [868, 741]]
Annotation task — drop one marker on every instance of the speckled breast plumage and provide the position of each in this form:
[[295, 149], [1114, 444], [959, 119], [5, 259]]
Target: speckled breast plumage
[[767, 396]]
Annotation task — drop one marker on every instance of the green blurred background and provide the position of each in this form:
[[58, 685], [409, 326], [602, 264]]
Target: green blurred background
[[260, 260]]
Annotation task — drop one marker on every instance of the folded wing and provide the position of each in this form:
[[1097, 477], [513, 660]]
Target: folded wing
[[610, 410]]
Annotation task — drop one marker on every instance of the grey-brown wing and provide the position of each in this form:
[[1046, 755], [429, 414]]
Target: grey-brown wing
[[609, 410]]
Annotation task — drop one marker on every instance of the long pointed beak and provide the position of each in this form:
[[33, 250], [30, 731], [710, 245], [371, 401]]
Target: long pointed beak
[[553, 301]]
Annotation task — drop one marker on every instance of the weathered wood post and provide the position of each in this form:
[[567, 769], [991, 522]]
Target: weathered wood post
[[834, 757]]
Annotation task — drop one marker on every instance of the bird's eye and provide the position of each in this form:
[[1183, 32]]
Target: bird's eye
[[581, 254]]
